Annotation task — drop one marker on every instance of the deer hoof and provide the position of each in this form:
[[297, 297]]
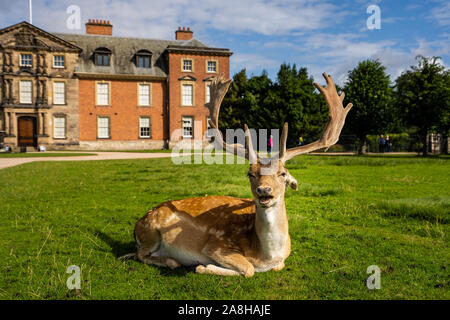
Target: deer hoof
[[249, 272], [279, 267], [200, 269], [172, 264]]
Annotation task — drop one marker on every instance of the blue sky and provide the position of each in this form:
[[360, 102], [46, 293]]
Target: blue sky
[[321, 35]]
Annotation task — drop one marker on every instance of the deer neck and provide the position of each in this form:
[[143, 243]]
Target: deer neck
[[271, 227]]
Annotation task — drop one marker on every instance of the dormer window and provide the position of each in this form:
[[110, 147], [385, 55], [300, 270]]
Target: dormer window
[[143, 59], [102, 57]]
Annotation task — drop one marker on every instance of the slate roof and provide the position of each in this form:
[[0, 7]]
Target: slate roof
[[123, 50]]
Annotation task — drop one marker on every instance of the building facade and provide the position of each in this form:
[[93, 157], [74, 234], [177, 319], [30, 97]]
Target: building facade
[[95, 91], [39, 93]]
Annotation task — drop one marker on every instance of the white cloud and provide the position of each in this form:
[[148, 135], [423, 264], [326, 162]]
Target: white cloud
[[252, 62], [337, 54], [159, 18], [441, 14]]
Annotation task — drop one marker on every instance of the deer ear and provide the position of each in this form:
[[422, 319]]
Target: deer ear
[[292, 182]]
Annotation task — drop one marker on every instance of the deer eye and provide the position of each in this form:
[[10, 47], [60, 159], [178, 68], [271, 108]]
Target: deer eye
[[250, 175], [283, 174]]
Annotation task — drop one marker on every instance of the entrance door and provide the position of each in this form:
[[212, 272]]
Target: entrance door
[[27, 132]]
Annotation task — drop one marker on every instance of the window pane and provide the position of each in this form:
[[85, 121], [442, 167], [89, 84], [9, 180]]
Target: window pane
[[59, 127], [187, 95], [144, 94], [208, 127], [144, 127], [58, 61], [211, 66], [102, 59], [26, 91], [143, 62], [187, 127], [187, 65], [208, 93], [59, 93], [103, 93], [103, 127], [26, 60]]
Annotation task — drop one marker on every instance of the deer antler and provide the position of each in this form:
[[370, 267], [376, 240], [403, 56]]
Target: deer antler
[[218, 89], [330, 134]]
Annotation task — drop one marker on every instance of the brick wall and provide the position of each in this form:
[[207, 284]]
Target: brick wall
[[123, 111], [199, 111], [100, 27]]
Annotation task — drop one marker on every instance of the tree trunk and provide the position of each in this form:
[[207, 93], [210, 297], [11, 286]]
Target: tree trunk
[[362, 148], [424, 139], [444, 144]]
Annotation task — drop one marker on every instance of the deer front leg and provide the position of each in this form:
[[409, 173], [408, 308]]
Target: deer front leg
[[218, 271], [231, 262], [279, 266]]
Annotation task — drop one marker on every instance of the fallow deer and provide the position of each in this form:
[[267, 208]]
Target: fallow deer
[[231, 236]]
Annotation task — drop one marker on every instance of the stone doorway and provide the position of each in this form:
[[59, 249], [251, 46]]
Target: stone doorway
[[27, 131]]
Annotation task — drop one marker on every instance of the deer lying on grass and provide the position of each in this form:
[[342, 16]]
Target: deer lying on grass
[[232, 236]]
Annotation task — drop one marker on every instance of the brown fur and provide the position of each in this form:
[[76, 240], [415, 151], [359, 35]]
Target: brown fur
[[221, 229]]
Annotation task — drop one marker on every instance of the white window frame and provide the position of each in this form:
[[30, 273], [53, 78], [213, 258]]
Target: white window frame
[[101, 126], [186, 119], [207, 92], [215, 66], [59, 98], [141, 126], [61, 63], [183, 66], [24, 62], [28, 99], [142, 95], [103, 98], [208, 135], [57, 126], [185, 96]]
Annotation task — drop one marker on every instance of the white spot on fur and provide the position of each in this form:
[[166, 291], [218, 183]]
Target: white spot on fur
[[184, 257], [273, 241]]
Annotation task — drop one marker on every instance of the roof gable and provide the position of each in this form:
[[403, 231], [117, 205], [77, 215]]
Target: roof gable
[[25, 36]]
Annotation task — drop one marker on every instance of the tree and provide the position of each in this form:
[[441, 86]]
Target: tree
[[423, 97], [235, 103], [295, 100], [369, 89], [261, 103]]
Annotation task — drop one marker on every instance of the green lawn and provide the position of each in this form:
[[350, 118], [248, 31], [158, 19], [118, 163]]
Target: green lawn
[[43, 154], [349, 213]]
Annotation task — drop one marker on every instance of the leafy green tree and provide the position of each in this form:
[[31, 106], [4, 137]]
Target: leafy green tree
[[369, 89], [295, 101], [423, 97], [262, 103], [235, 103]]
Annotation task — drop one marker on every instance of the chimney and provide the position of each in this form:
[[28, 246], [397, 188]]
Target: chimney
[[101, 27], [183, 34]]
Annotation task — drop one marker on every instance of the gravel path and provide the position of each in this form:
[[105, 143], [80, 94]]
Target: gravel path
[[11, 162]]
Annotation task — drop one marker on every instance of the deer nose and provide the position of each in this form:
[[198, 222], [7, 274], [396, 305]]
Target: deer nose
[[263, 191]]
